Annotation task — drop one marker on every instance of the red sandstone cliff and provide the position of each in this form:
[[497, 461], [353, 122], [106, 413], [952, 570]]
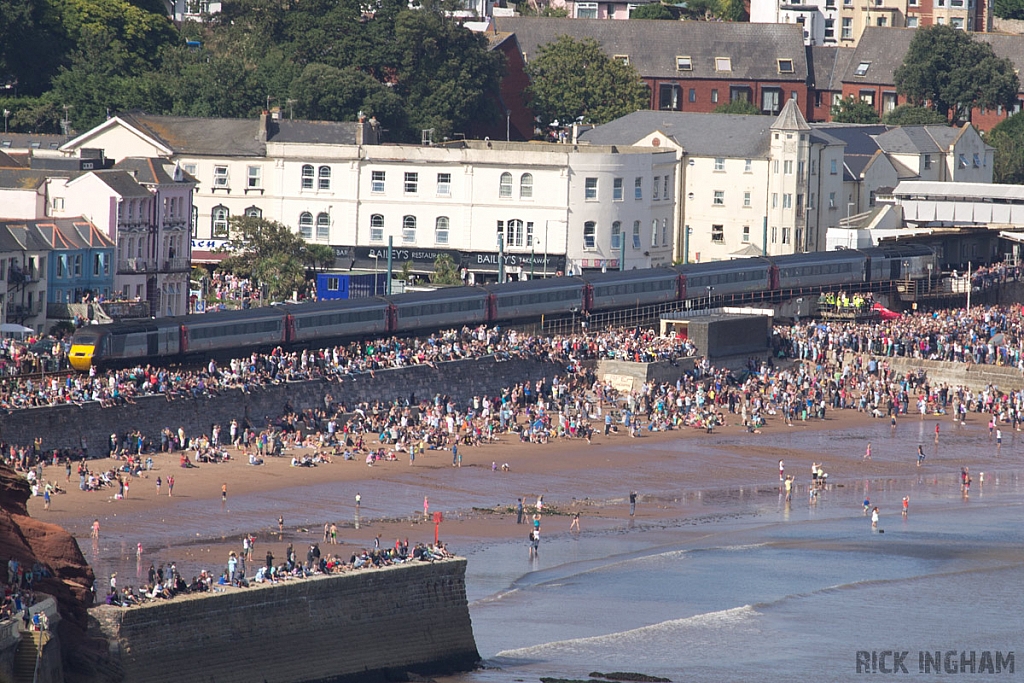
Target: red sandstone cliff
[[31, 540]]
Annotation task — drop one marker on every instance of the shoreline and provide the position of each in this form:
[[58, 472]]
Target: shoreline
[[671, 470]]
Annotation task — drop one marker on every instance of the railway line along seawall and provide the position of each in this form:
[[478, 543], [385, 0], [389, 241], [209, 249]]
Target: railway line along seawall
[[66, 426], [362, 626]]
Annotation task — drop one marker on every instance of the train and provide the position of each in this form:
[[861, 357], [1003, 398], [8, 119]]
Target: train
[[176, 339]]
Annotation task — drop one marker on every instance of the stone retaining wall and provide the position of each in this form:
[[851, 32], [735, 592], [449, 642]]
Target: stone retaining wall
[[64, 426], [362, 626]]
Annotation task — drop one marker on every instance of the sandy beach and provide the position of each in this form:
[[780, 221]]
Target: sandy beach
[[673, 472]]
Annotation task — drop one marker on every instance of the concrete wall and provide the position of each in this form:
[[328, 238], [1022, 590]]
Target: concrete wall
[[9, 639], [64, 426], [362, 626], [975, 377], [629, 376]]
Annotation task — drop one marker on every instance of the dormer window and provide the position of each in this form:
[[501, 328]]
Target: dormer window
[[723, 64], [624, 59], [684, 64], [862, 69], [785, 66]]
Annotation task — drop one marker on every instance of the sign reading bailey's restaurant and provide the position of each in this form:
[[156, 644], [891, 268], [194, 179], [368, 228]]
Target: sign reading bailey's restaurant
[[423, 259]]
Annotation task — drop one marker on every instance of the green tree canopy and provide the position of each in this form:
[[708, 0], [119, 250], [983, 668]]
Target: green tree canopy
[[912, 115], [318, 256], [737, 107], [446, 272], [655, 10], [1008, 139], [950, 71], [1009, 9], [853, 110], [574, 79], [266, 252]]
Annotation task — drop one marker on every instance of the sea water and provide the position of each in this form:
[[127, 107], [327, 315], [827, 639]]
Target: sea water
[[762, 590]]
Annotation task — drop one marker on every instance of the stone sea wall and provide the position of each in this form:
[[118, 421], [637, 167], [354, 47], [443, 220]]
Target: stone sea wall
[[64, 426], [362, 626]]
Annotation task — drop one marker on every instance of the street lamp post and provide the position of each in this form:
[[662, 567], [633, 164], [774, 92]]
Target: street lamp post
[[374, 273], [7, 113]]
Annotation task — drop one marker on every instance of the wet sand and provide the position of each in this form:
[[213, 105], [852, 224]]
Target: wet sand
[[679, 474]]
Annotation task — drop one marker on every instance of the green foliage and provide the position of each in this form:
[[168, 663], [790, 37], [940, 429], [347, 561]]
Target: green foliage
[[1009, 9], [911, 115], [405, 272], [652, 11], [318, 256], [33, 44], [955, 73], [574, 79], [446, 272], [734, 10], [737, 107], [703, 10], [853, 110], [1008, 139], [267, 252]]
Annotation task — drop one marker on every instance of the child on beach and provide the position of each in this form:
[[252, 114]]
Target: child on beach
[[874, 518]]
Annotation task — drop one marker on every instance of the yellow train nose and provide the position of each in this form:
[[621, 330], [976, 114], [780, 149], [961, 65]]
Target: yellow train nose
[[81, 357]]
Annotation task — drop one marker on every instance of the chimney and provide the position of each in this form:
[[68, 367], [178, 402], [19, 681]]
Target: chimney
[[264, 124]]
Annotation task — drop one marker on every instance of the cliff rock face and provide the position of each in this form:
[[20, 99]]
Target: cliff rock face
[[31, 540]]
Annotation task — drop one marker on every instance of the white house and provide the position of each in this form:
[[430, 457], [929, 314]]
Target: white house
[[748, 185], [558, 207]]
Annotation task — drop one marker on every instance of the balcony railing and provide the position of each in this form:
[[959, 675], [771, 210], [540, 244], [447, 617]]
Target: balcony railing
[[136, 265], [17, 312], [175, 265]]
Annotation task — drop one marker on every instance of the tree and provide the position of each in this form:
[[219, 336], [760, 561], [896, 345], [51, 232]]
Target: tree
[[703, 10], [575, 80], [950, 71], [734, 10], [912, 115], [655, 10], [445, 271], [737, 107], [326, 93], [318, 256], [1008, 139], [853, 110], [1009, 9], [266, 252]]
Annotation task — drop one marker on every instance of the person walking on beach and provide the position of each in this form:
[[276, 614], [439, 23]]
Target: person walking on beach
[[789, 489], [874, 518], [906, 505], [632, 503], [359, 499], [782, 471], [999, 440], [46, 499], [224, 493], [455, 455], [327, 531], [575, 522], [280, 523], [936, 433], [334, 534], [170, 485], [95, 529], [920, 454], [867, 453], [158, 483], [519, 510], [867, 505], [426, 508]]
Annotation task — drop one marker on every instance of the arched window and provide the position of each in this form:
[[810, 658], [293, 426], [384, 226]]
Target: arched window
[[307, 177], [323, 226], [441, 230], [526, 185], [589, 235], [306, 225], [219, 221], [616, 236], [254, 212], [324, 178], [505, 188], [409, 229], [664, 231], [636, 234], [376, 228], [514, 233]]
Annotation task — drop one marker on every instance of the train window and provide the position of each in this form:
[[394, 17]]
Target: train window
[[816, 270]]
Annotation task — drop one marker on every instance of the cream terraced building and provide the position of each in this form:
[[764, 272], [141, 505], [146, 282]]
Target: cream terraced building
[[557, 207]]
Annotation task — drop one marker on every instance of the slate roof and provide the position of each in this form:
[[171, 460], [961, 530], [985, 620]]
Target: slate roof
[[201, 136], [790, 118], [23, 178], [652, 46], [861, 147], [122, 183], [313, 132], [702, 135], [20, 236], [7, 161], [827, 66], [885, 49], [149, 171], [25, 141], [44, 234], [917, 139]]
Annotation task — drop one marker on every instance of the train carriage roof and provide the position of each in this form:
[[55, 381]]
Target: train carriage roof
[[444, 294], [541, 284], [336, 305], [818, 257], [223, 317], [616, 276], [899, 251], [731, 265], [130, 326]]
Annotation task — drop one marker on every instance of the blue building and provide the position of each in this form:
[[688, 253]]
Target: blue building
[[333, 286], [80, 261]]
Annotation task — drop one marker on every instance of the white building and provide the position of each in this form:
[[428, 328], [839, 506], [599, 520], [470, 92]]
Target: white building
[[749, 185], [817, 18], [558, 207]]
